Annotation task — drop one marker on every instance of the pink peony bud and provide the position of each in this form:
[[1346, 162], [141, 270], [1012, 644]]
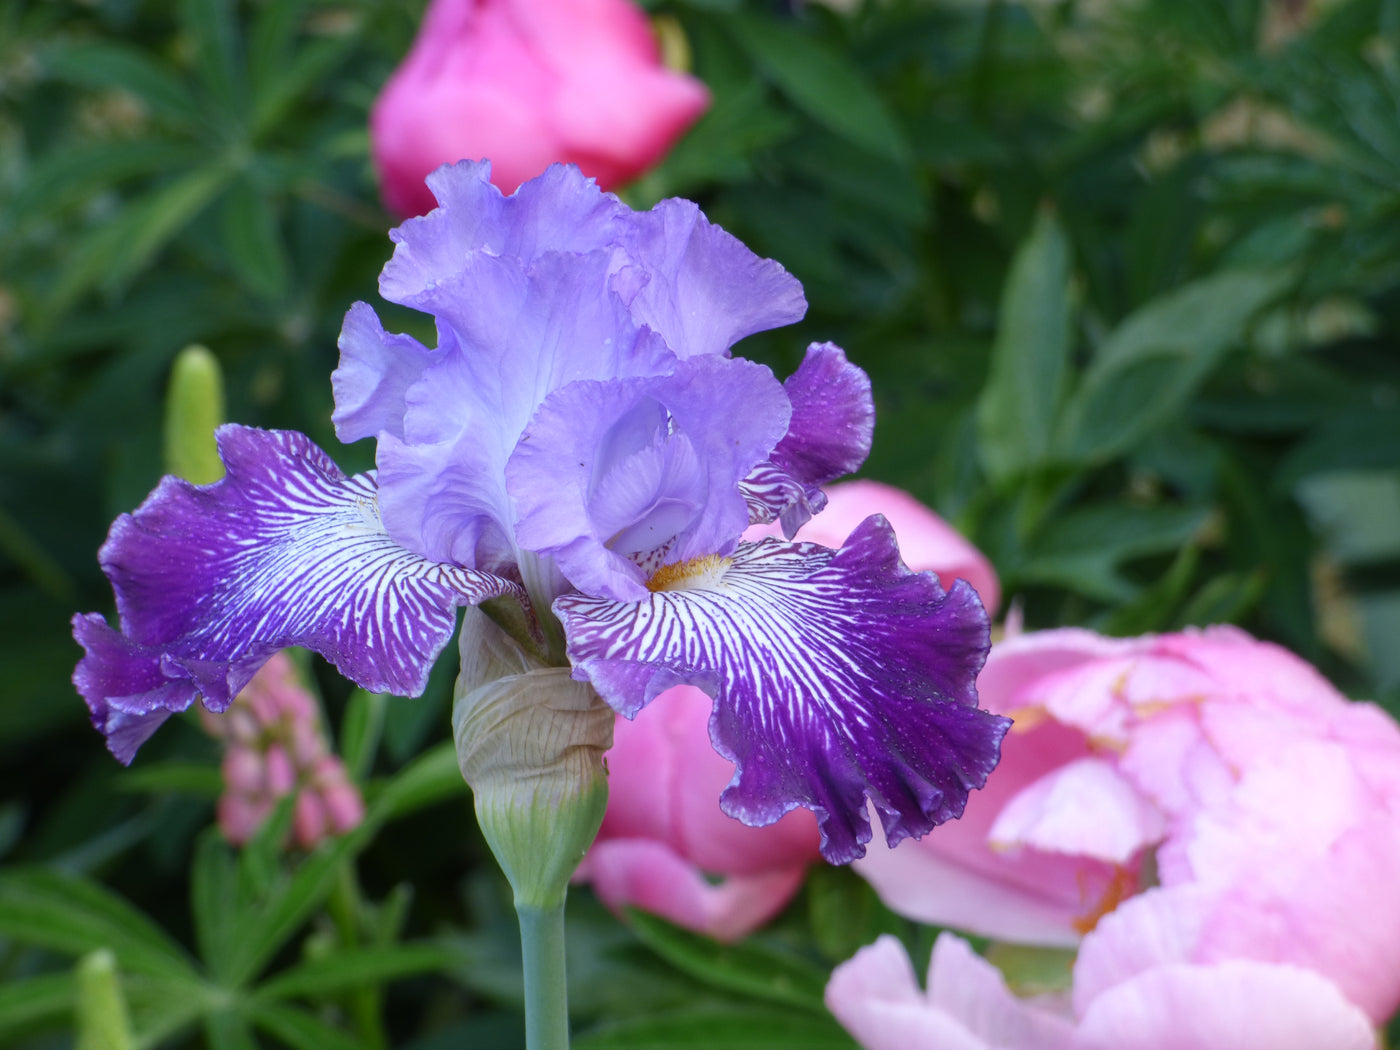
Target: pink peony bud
[[525, 83]]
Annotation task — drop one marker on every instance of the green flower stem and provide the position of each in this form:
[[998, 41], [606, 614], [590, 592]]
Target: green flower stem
[[546, 995]]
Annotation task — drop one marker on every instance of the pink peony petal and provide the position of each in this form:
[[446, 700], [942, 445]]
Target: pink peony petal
[[647, 874]]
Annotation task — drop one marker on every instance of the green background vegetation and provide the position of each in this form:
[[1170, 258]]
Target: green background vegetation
[[1126, 276]]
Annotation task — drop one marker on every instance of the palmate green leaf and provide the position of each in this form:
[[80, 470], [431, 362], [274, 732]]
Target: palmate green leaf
[[732, 1028], [1364, 437], [278, 89], [75, 174], [253, 241], [753, 969], [218, 61], [1016, 411], [75, 916], [114, 252], [279, 903], [352, 968], [432, 777], [108, 66], [219, 913], [229, 1030], [1083, 550], [200, 779], [1150, 365], [822, 82], [360, 730], [161, 1008], [35, 1002], [299, 1029]]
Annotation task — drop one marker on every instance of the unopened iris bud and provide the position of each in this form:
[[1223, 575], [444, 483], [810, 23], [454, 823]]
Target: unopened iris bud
[[194, 409], [530, 742], [103, 1022]]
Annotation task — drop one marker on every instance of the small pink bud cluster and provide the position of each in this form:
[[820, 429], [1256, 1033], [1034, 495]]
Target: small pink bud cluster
[[276, 747]]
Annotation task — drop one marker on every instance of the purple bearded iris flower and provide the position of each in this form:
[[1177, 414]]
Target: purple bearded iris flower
[[581, 446]]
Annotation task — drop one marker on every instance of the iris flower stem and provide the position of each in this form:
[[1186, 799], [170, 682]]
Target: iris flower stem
[[546, 997]]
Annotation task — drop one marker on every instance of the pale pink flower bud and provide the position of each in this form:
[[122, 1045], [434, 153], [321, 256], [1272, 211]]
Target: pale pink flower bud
[[245, 772], [240, 816], [309, 819], [281, 774], [343, 805]]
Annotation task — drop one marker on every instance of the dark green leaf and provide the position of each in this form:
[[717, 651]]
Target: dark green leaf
[[214, 32], [351, 968], [253, 241], [118, 67], [360, 730], [730, 1028], [1146, 369], [35, 1001], [1017, 408], [115, 251], [227, 1030], [219, 914], [1083, 550], [199, 779], [822, 82], [75, 916], [430, 778], [300, 1030], [752, 969]]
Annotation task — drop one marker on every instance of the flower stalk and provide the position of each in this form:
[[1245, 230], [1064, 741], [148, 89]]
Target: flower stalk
[[530, 742]]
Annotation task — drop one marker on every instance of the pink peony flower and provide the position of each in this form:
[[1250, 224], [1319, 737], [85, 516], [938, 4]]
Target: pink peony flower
[[525, 83], [967, 1006], [1265, 802], [664, 839], [1134, 990]]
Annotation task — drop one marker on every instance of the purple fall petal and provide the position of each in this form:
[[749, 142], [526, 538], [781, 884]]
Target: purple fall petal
[[127, 693], [285, 550], [833, 421], [608, 472], [838, 676]]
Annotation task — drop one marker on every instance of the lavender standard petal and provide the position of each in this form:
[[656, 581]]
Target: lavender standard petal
[[838, 676], [376, 369], [285, 550], [607, 471], [699, 286], [510, 336], [561, 210]]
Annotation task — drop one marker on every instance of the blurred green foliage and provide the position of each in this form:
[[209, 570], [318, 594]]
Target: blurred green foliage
[[1126, 277]]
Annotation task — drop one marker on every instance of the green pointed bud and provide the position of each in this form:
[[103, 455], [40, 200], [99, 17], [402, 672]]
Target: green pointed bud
[[102, 1018], [194, 407], [530, 742]]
